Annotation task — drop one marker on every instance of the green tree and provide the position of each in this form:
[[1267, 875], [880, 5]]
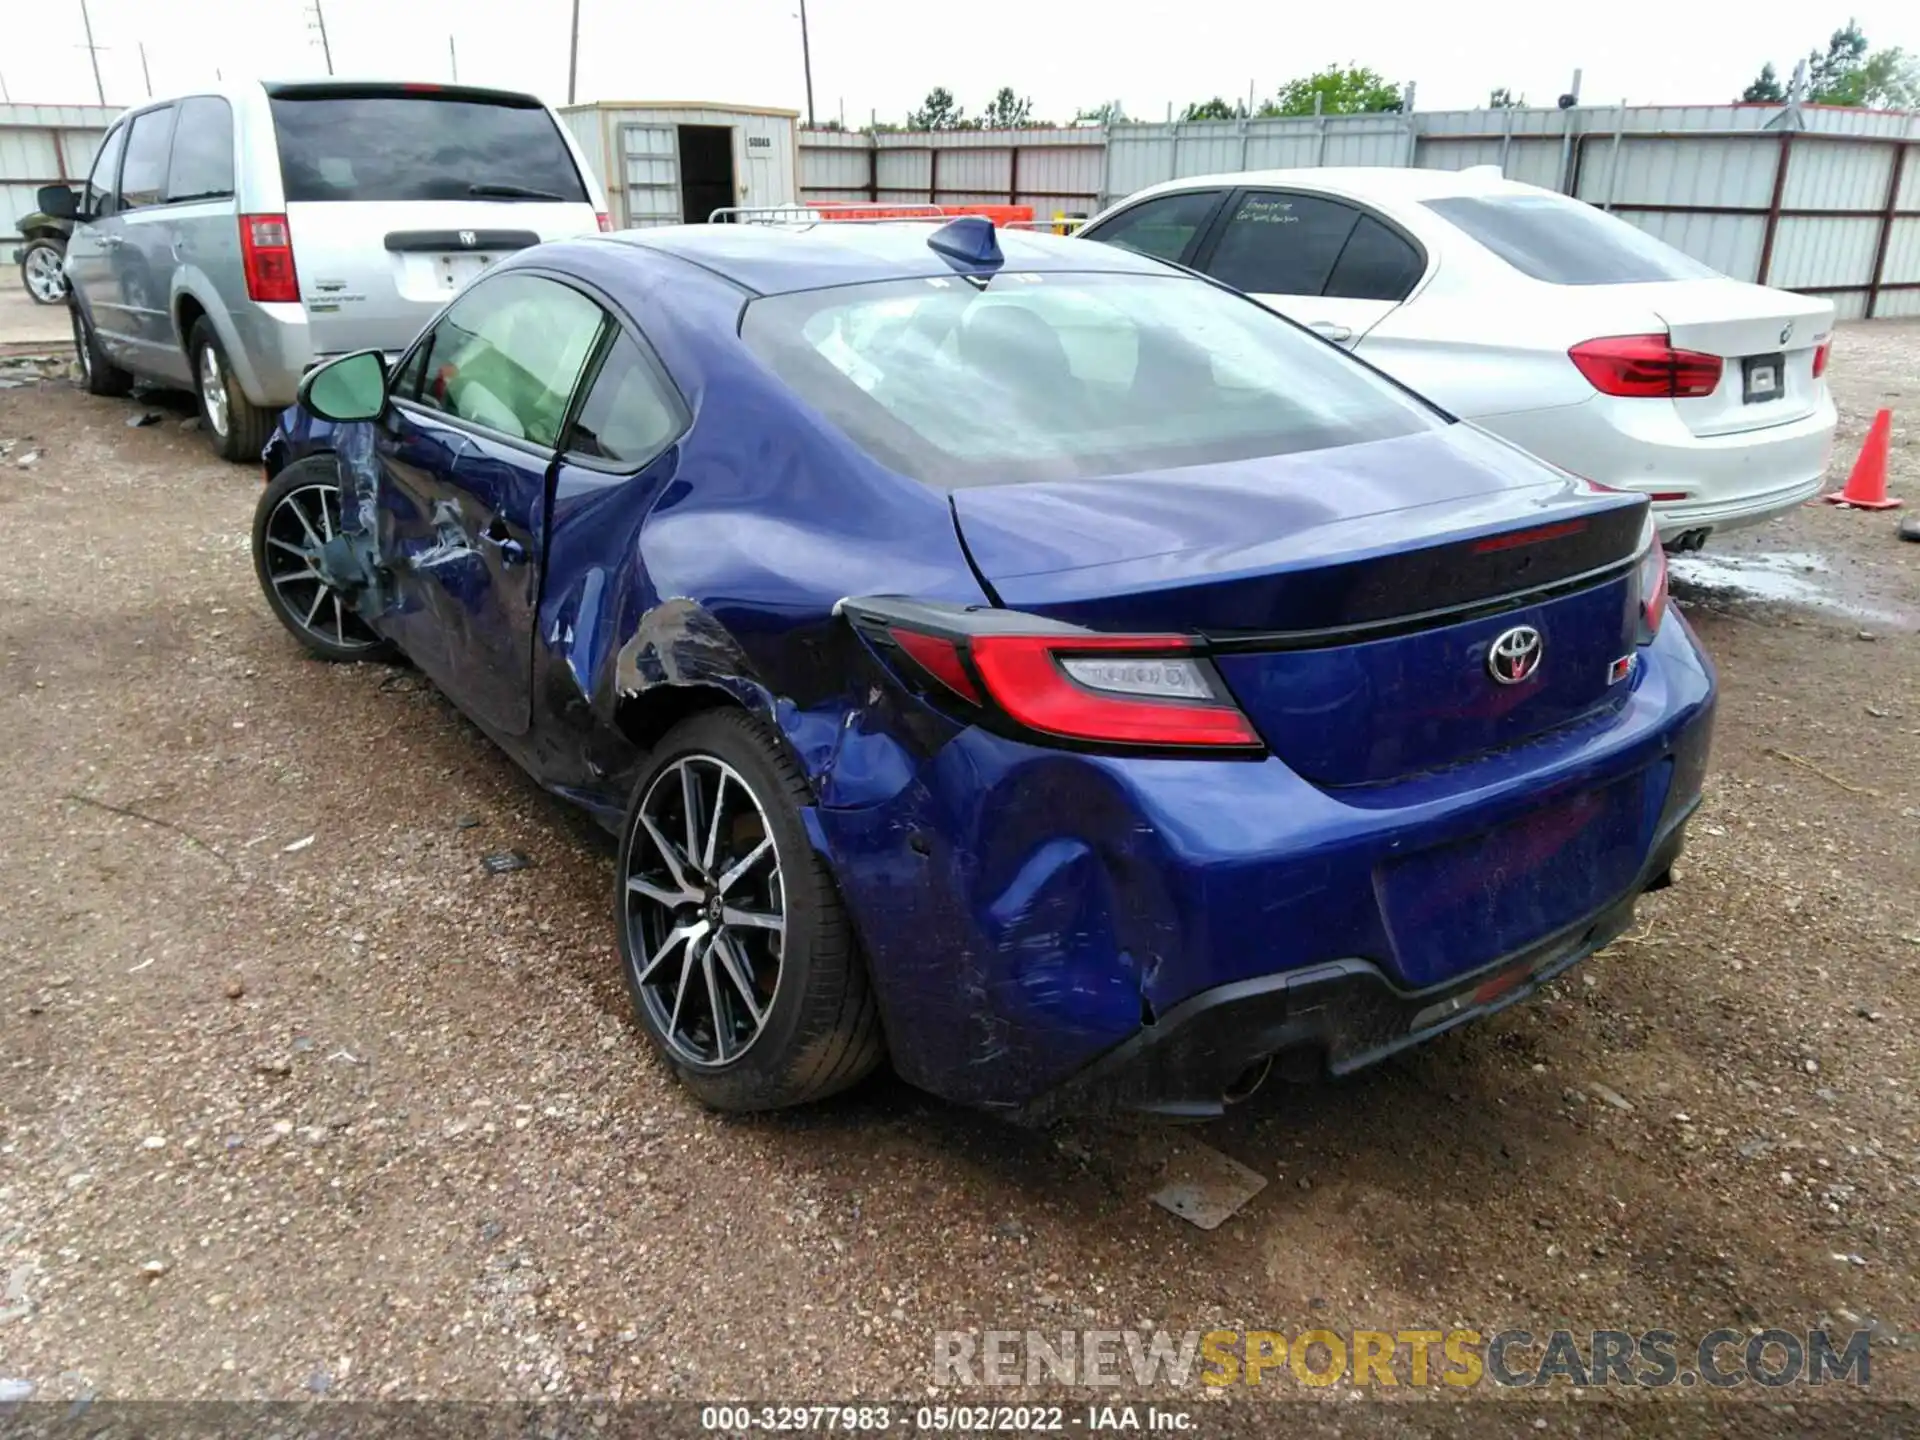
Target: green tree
[[1851, 72], [1504, 99], [1833, 72], [1007, 111], [1215, 109], [1108, 112], [938, 112], [1353, 91], [1765, 87]]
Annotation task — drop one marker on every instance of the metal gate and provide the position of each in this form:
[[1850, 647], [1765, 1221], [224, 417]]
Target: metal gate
[[651, 155]]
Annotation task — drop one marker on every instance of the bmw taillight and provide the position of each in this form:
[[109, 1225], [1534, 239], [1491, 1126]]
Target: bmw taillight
[[1646, 367], [1652, 584], [1038, 680], [1820, 353], [600, 219], [266, 254]]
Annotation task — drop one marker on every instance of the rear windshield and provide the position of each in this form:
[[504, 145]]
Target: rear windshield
[[1057, 376], [1564, 242], [421, 147]]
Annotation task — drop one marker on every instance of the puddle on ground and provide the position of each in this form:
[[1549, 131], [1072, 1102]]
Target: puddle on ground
[[1790, 577]]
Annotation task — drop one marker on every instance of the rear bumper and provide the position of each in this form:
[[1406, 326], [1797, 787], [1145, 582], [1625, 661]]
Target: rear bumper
[[1728, 481], [1026, 912], [1330, 1019]]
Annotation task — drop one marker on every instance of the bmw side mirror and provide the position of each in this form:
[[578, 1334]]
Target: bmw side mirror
[[354, 387], [59, 201]]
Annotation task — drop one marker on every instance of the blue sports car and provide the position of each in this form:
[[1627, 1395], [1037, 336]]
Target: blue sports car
[[1014, 657]]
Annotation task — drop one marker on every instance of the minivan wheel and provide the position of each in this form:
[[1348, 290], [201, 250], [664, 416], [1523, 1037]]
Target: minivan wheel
[[41, 270], [98, 374], [738, 954], [236, 427]]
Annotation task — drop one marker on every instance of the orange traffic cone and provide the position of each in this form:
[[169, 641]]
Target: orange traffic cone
[[1867, 485]]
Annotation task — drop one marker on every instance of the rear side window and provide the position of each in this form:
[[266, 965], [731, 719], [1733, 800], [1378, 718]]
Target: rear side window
[[1376, 265], [202, 166], [630, 413], [143, 178], [1280, 244], [106, 168], [1162, 228], [1564, 242], [420, 147]]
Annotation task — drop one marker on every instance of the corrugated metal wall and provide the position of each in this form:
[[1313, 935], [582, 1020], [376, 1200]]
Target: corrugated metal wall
[[1800, 197], [42, 145]]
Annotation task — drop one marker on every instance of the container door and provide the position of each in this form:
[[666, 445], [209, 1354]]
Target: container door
[[650, 161]]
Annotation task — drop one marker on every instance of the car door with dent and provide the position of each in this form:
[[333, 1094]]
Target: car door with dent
[[462, 465], [1321, 262]]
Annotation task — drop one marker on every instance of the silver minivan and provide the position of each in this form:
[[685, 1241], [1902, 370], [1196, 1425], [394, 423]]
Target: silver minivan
[[229, 240]]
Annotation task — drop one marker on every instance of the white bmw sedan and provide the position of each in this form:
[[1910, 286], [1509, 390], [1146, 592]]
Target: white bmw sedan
[[1538, 317]]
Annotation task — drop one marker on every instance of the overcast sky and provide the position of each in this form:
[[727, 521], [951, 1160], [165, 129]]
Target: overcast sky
[[884, 55]]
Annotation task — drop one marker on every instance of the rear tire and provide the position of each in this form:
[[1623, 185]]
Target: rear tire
[[319, 617], [98, 374], [41, 270], [237, 428], [794, 1004]]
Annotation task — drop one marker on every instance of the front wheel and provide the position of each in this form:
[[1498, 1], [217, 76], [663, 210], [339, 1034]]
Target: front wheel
[[739, 958], [297, 514], [43, 270], [237, 427]]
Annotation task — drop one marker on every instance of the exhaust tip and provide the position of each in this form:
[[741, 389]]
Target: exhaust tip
[[1242, 1086]]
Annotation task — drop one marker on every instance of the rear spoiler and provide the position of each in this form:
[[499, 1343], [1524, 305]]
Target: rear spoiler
[[384, 90]]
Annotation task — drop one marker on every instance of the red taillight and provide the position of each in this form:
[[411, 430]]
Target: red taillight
[[266, 253], [1134, 690], [1653, 590], [1820, 353], [1646, 366], [600, 218]]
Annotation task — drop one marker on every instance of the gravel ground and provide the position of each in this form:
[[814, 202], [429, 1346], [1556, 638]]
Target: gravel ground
[[298, 1101]]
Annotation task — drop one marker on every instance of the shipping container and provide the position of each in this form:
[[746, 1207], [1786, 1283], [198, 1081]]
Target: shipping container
[[671, 162]]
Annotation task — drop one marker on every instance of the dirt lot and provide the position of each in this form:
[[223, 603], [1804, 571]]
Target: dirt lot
[[353, 1118]]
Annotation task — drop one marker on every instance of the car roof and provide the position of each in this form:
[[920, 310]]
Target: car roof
[[777, 259], [1379, 182]]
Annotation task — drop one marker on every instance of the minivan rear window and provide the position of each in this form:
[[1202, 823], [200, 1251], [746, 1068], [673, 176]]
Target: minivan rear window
[[421, 147], [1565, 242]]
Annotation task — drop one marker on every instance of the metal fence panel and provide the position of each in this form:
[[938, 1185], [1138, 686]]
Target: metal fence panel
[[1837, 175]]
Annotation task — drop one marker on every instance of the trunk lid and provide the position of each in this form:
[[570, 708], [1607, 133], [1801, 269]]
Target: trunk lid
[[1751, 327], [1351, 596], [373, 273]]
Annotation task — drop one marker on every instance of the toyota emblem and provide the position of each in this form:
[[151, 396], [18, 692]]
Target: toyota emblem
[[469, 239], [1516, 655]]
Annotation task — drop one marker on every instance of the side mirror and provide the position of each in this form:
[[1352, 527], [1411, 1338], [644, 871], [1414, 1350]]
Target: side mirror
[[58, 201], [354, 387]]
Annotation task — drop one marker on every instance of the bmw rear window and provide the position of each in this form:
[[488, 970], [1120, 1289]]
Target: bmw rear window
[[1564, 242], [425, 145], [1054, 376]]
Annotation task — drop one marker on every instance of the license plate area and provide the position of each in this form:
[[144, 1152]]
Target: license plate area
[[1763, 377]]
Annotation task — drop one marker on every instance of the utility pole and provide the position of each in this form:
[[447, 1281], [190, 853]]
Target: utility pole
[[320, 24], [453, 60], [5, 98], [573, 54], [93, 53], [146, 74], [806, 60]]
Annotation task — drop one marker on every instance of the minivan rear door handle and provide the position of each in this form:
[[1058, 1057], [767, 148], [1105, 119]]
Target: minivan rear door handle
[[1331, 330]]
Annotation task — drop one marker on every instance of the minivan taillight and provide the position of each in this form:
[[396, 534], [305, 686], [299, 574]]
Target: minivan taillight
[[1646, 367], [266, 253]]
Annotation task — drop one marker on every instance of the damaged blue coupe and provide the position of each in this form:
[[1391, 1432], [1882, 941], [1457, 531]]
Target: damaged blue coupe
[[1008, 656]]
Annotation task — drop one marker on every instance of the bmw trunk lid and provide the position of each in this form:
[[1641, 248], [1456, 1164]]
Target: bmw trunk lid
[[1377, 610]]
